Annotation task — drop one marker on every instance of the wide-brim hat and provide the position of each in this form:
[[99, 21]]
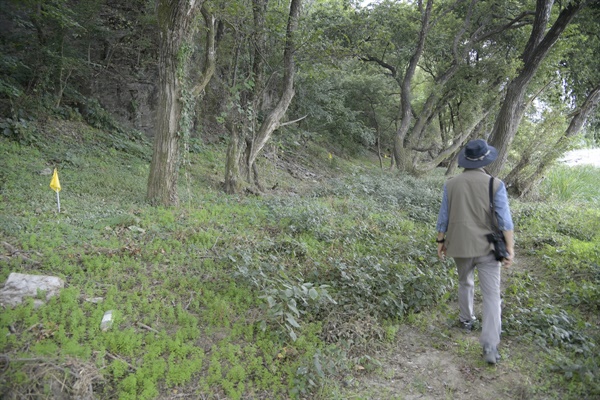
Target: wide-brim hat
[[476, 154]]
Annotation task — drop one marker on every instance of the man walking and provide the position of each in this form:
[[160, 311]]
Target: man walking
[[463, 222]]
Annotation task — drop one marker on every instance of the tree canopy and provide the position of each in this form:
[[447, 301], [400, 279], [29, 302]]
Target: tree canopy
[[412, 81]]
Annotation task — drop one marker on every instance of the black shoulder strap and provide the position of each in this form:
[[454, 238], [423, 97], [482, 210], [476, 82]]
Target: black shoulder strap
[[492, 193], [494, 224]]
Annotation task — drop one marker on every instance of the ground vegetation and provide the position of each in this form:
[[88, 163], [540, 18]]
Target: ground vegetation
[[320, 280], [329, 287]]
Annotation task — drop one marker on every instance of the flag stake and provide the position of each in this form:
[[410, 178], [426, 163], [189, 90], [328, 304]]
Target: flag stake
[[55, 185]]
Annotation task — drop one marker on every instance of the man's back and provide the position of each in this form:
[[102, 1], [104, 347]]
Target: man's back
[[469, 214]]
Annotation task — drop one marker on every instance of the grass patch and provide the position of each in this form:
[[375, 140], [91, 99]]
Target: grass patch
[[576, 184]]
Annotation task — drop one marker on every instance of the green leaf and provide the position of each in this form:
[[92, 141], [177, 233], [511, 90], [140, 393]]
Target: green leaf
[[313, 293], [293, 309], [318, 367], [290, 318]]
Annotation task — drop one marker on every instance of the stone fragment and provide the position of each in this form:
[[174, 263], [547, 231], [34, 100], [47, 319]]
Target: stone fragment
[[19, 286]]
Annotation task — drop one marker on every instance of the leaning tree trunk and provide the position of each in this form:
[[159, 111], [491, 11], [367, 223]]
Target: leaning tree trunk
[[536, 50], [471, 131], [273, 119], [452, 165], [522, 186]]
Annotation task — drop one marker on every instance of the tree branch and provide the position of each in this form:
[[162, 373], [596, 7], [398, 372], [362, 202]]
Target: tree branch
[[515, 23], [292, 122], [210, 59], [381, 63]]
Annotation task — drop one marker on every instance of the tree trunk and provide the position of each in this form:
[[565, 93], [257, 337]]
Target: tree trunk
[[401, 155], [589, 106], [255, 97], [232, 168], [537, 48], [512, 178], [175, 24]]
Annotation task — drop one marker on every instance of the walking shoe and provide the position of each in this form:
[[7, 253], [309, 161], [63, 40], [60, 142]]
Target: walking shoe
[[490, 354], [468, 326]]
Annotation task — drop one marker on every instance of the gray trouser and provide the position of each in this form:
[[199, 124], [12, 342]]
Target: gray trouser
[[488, 270]]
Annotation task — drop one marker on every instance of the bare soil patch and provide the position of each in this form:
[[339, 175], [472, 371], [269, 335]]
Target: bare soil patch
[[421, 366]]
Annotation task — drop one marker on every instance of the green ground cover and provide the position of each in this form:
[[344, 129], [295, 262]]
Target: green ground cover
[[280, 296]]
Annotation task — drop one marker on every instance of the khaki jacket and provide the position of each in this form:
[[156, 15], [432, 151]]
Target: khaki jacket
[[469, 214]]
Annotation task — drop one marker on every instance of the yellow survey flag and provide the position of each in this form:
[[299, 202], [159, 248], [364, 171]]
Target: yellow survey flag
[[55, 183]]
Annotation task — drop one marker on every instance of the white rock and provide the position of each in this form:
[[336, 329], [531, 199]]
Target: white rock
[[19, 286], [107, 320]]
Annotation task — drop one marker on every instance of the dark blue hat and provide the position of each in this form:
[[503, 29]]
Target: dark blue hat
[[476, 154]]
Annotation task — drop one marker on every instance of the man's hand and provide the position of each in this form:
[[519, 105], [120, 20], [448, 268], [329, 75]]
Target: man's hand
[[509, 238], [507, 262], [441, 251]]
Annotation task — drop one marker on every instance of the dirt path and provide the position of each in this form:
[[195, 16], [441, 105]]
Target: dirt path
[[423, 366], [434, 359]]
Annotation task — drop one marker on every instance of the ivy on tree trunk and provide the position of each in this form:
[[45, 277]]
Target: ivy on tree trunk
[[175, 20]]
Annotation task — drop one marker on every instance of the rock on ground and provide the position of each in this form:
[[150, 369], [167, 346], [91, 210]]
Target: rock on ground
[[19, 286]]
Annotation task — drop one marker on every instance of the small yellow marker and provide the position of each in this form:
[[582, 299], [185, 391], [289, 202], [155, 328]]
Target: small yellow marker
[[55, 185]]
